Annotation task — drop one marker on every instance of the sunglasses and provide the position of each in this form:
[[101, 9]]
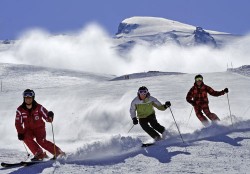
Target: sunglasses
[[28, 94], [143, 92], [198, 79]]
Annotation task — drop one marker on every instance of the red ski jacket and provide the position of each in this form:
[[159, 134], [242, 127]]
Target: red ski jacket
[[30, 118], [197, 95]]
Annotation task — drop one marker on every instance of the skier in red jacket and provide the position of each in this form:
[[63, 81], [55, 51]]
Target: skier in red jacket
[[197, 97], [30, 124]]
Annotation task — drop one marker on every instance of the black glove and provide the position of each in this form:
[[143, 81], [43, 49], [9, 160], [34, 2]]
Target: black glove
[[167, 104], [135, 121], [192, 103], [226, 90], [51, 116], [20, 136]]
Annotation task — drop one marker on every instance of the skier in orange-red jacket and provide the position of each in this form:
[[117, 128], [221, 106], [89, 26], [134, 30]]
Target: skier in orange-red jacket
[[30, 125]]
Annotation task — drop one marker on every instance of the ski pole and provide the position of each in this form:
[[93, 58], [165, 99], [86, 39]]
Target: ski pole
[[190, 115], [177, 127], [131, 128], [26, 150], [246, 111], [53, 141], [230, 110]]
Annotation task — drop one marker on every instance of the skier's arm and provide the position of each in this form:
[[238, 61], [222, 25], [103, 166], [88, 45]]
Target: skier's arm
[[189, 96], [158, 104], [19, 122], [44, 112], [133, 109], [212, 92]]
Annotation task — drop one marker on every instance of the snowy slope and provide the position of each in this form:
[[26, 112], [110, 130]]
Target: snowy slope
[[16, 77], [150, 25], [92, 122], [243, 70]]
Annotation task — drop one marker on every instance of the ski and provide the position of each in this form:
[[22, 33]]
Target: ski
[[11, 164], [22, 163], [147, 144], [29, 163]]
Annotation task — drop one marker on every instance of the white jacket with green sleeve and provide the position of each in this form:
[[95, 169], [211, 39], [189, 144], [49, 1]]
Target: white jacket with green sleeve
[[145, 107]]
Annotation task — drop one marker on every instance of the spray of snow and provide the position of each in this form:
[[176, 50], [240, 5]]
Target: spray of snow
[[91, 49]]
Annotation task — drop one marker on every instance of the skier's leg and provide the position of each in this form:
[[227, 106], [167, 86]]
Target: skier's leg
[[154, 123], [211, 116], [29, 141], [144, 124], [40, 135], [200, 116]]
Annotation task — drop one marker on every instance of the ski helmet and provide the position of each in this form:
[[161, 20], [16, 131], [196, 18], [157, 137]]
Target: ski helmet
[[198, 77], [29, 93]]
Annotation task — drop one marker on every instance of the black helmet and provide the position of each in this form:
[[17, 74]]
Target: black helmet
[[29, 93], [200, 77], [143, 88]]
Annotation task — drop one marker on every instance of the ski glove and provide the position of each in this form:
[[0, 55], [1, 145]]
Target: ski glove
[[167, 104], [51, 116], [226, 90], [20, 136], [192, 103], [135, 121]]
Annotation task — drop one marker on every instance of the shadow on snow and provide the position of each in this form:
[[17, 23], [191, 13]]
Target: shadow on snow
[[214, 133]]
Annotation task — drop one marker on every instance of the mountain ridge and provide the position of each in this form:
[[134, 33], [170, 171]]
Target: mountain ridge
[[154, 31]]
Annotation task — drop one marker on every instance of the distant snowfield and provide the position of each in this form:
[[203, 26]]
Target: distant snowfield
[[92, 122]]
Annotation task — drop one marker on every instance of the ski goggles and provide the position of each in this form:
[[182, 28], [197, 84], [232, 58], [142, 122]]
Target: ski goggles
[[28, 94], [198, 79], [143, 92]]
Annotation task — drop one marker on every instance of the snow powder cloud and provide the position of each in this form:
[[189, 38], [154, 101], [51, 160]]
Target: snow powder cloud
[[91, 49]]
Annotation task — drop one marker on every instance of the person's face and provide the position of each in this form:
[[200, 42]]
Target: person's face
[[28, 100], [143, 94], [198, 81]]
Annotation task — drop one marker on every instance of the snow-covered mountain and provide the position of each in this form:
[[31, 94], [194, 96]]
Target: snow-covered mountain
[[153, 31], [6, 44]]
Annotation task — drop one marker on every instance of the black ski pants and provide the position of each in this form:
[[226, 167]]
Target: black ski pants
[[154, 126]]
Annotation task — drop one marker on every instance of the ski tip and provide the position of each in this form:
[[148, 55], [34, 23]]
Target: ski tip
[[3, 164]]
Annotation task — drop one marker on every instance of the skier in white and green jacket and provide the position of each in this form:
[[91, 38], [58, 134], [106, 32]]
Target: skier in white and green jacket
[[144, 105]]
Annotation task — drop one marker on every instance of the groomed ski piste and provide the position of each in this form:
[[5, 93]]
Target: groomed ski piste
[[92, 122]]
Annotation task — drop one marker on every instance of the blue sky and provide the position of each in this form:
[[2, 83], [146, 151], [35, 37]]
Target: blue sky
[[61, 16]]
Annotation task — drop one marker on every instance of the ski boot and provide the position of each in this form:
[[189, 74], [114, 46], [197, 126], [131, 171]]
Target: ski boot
[[39, 156]]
